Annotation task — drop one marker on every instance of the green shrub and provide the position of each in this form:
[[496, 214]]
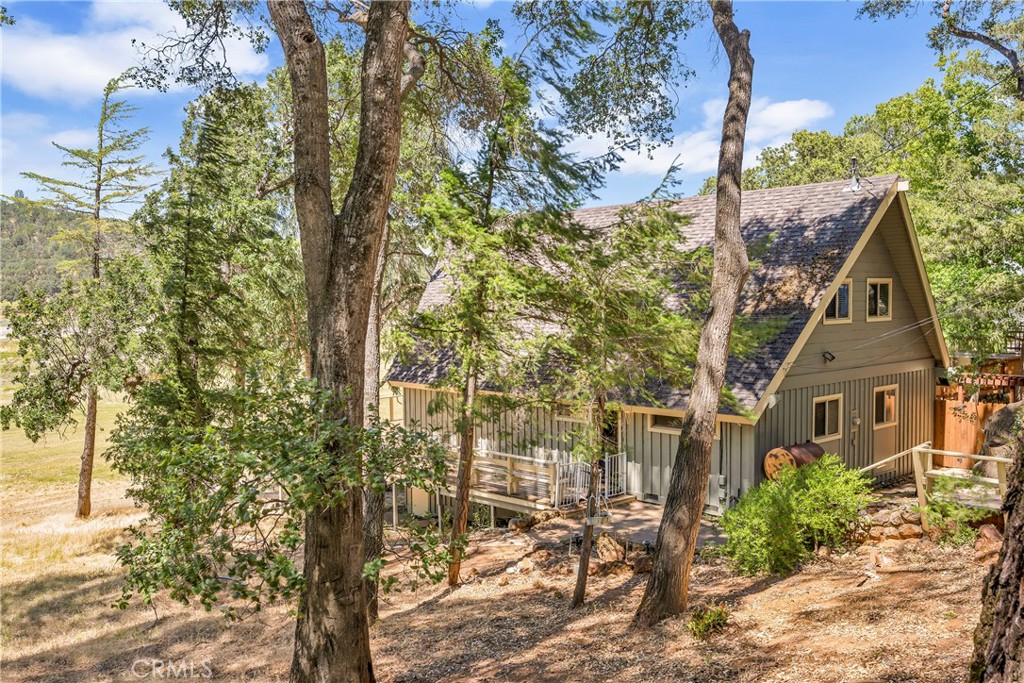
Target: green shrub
[[707, 621], [776, 525], [761, 531], [950, 519], [828, 499]]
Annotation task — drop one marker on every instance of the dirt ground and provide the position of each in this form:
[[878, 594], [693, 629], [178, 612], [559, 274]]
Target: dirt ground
[[830, 622]]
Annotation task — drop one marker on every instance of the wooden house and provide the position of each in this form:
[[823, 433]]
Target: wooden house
[[854, 368]]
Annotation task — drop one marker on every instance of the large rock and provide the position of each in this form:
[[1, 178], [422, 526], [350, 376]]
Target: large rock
[[642, 564], [988, 543], [608, 549], [910, 531], [999, 438], [911, 516]]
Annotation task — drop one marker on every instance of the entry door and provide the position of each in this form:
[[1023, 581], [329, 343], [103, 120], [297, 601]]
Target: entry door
[[885, 423]]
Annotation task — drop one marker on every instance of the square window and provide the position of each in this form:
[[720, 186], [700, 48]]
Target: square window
[[838, 309], [664, 423], [826, 417], [885, 406], [879, 299]]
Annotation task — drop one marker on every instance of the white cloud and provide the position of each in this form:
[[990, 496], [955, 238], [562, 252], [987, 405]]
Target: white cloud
[[75, 137], [696, 151], [74, 67]]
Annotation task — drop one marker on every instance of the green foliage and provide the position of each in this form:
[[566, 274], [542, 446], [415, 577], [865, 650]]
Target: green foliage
[[227, 450], [480, 516], [33, 258], [774, 526], [762, 531], [84, 335], [708, 621], [227, 492], [950, 519], [829, 498]]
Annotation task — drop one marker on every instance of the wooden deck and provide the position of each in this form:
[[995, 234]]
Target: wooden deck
[[527, 484]]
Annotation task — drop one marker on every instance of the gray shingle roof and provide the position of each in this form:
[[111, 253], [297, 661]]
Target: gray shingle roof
[[799, 238]]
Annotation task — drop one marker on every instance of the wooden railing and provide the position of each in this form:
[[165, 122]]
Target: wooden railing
[[553, 480], [925, 474]]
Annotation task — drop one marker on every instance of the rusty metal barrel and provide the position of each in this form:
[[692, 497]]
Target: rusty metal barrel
[[797, 455]]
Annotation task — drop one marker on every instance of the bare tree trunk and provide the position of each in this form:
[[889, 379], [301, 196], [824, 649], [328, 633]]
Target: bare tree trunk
[[999, 636], [340, 256], [668, 586], [88, 456], [373, 499], [464, 480], [579, 594]]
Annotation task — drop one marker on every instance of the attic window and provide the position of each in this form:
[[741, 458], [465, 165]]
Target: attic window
[[827, 410], [671, 424], [879, 299], [838, 310]]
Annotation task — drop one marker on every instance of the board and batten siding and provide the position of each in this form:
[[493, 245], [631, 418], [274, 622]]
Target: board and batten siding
[[519, 432], [791, 421], [907, 337], [650, 456]]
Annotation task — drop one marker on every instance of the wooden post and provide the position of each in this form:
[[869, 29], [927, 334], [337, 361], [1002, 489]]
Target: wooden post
[[492, 517], [438, 496], [919, 480]]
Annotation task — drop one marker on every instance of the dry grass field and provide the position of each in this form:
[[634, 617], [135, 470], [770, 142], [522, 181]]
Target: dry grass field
[[830, 622]]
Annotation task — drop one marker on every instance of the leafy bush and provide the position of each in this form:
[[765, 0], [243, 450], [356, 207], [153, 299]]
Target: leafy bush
[[949, 518], [707, 621], [777, 524]]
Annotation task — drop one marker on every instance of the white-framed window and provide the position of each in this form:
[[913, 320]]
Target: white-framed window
[[879, 299], [664, 424], [885, 405], [828, 412], [839, 309], [565, 413]]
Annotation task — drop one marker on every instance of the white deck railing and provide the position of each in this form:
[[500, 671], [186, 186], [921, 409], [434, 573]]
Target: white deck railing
[[550, 477]]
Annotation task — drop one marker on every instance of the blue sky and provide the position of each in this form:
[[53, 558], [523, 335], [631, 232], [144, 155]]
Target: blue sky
[[816, 66]]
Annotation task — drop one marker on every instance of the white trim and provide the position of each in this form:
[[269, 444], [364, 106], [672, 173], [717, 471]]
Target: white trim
[[896, 409], [867, 300], [908, 221], [825, 320], [812, 322], [651, 427], [827, 437]]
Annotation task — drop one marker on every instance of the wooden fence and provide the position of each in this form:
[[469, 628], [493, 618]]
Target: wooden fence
[[960, 419]]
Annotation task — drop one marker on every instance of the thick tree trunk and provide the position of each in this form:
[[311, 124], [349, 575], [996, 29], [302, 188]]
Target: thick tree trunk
[[464, 480], [999, 637], [668, 585], [88, 456], [340, 260]]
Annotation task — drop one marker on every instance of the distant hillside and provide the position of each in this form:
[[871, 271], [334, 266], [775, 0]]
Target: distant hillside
[[29, 254]]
